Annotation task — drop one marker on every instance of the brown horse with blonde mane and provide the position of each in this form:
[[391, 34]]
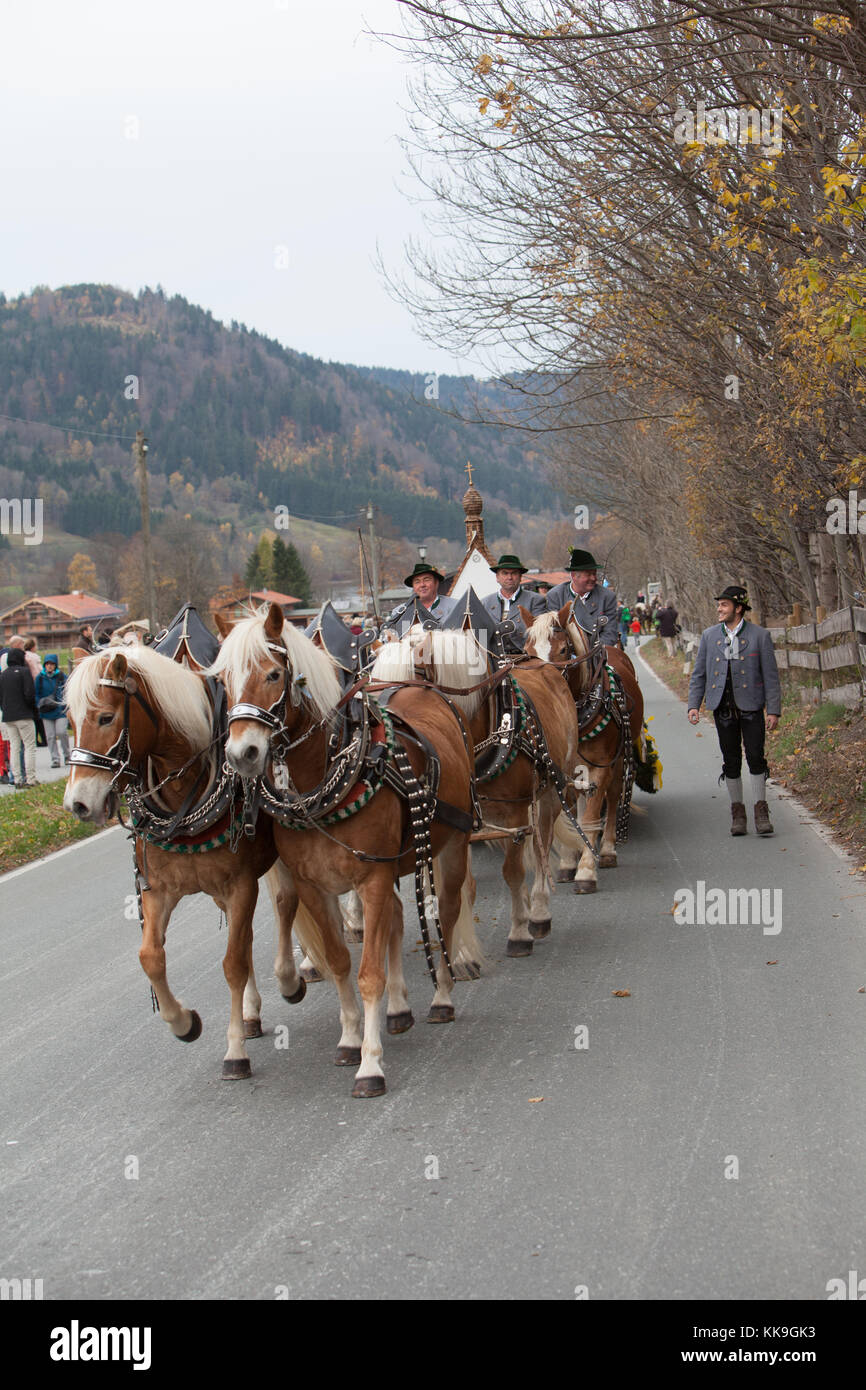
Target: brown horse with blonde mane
[[516, 792], [288, 725], [610, 714], [144, 724]]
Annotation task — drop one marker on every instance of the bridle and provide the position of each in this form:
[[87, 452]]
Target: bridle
[[116, 760], [273, 717]]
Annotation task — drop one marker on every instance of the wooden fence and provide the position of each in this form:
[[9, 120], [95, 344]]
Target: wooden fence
[[810, 660]]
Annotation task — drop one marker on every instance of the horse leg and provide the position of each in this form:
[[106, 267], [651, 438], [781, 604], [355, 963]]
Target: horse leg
[[239, 908], [547, 809], [323, 938], [252, 1007], [399, 1019], [451, 869], [607, 855], [284, 898], [519, 941], [590, 823], [377, 894], [157, 906]]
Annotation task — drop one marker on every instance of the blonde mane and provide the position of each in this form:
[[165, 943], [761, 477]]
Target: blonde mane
[[174, 691], [246, 647], [457, 659]]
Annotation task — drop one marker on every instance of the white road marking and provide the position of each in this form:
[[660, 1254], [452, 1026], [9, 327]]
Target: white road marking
[[35, 864]]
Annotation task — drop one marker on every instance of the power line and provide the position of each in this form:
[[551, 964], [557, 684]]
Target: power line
[[66, 429]]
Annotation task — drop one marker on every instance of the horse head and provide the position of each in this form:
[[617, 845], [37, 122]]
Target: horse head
[[279, 684], [126, 707]]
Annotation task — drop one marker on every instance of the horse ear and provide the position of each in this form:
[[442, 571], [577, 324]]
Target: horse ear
[[274, 621], [527, 617], [564, 614], [223, 626], [118, 668]]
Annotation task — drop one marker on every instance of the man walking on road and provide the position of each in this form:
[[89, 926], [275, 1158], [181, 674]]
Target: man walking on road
[[736, 669]]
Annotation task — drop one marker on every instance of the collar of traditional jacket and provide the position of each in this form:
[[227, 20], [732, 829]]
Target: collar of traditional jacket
[[732, 641]]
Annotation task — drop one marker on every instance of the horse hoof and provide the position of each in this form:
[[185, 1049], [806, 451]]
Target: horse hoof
[[540, 929], [237, 1069], [564, 875], [607, 861], [467, 970], [310, 974], [348, 1057], [368, 1086], [401, 1023], [518, 948], [441, 1013], [194, 1029], [253, 1028], [297, 996], [585, 885]]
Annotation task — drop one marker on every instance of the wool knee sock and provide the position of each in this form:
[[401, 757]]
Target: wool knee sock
[[735, 789], [759, 785]]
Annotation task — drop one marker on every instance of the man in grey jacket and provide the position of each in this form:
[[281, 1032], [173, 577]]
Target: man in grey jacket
[[600, 603], [511, 596], [736, 673]]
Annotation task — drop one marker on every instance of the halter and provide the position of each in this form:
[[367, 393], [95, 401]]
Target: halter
[[116, 760], [274, 716]]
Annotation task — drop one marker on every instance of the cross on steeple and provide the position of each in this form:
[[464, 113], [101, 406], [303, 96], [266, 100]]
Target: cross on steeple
[[468, 469]]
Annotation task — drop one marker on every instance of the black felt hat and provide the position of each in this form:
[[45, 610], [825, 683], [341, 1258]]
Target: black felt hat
[[582, 560], [737, 595], [422, 568], [509, 562]]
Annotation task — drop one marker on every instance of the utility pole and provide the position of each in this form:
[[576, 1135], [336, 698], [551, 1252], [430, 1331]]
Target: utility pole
[[139, 452], [374, 560]]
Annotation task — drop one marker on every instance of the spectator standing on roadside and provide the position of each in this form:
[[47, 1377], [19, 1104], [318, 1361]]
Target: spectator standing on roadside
[[18, 712], [51, 705], [667, 619]]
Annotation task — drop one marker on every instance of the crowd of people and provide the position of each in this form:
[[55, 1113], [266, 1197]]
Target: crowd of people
[[33, 707], [656, 618]]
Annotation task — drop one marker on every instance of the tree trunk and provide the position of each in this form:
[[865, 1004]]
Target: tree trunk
[[801, 555]]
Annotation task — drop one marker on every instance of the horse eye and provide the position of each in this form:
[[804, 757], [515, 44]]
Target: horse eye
[[106, 719], [273, 676]]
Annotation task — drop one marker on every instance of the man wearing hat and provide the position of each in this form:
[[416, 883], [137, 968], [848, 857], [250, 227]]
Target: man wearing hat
[[736, 673], [599, 603], [511, 596], [424, 582]]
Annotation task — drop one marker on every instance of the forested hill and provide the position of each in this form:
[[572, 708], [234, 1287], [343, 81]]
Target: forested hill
[[236, 423]]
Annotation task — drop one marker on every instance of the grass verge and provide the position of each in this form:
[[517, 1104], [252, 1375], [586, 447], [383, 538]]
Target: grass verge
[[818, 752], [33, 823]]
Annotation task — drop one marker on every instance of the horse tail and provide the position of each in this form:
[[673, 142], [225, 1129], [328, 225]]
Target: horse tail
[[311, 940]]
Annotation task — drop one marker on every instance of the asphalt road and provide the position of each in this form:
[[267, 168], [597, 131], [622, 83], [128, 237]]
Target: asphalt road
[[708, 1141]]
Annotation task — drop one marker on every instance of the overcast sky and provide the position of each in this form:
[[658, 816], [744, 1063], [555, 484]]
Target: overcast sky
[[205, 144]]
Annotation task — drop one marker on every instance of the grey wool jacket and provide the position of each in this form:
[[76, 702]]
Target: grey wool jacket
[[600, 604], [754, 673]]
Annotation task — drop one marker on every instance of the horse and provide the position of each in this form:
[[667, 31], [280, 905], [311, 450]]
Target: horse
[[288, 726], [144, 724], [613, 743], [517, 794]]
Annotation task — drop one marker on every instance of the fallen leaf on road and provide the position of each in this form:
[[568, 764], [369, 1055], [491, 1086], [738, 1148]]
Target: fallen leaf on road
[[535, 1100], [772, 962], [862, 989], [621, 993], [698, 735]]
